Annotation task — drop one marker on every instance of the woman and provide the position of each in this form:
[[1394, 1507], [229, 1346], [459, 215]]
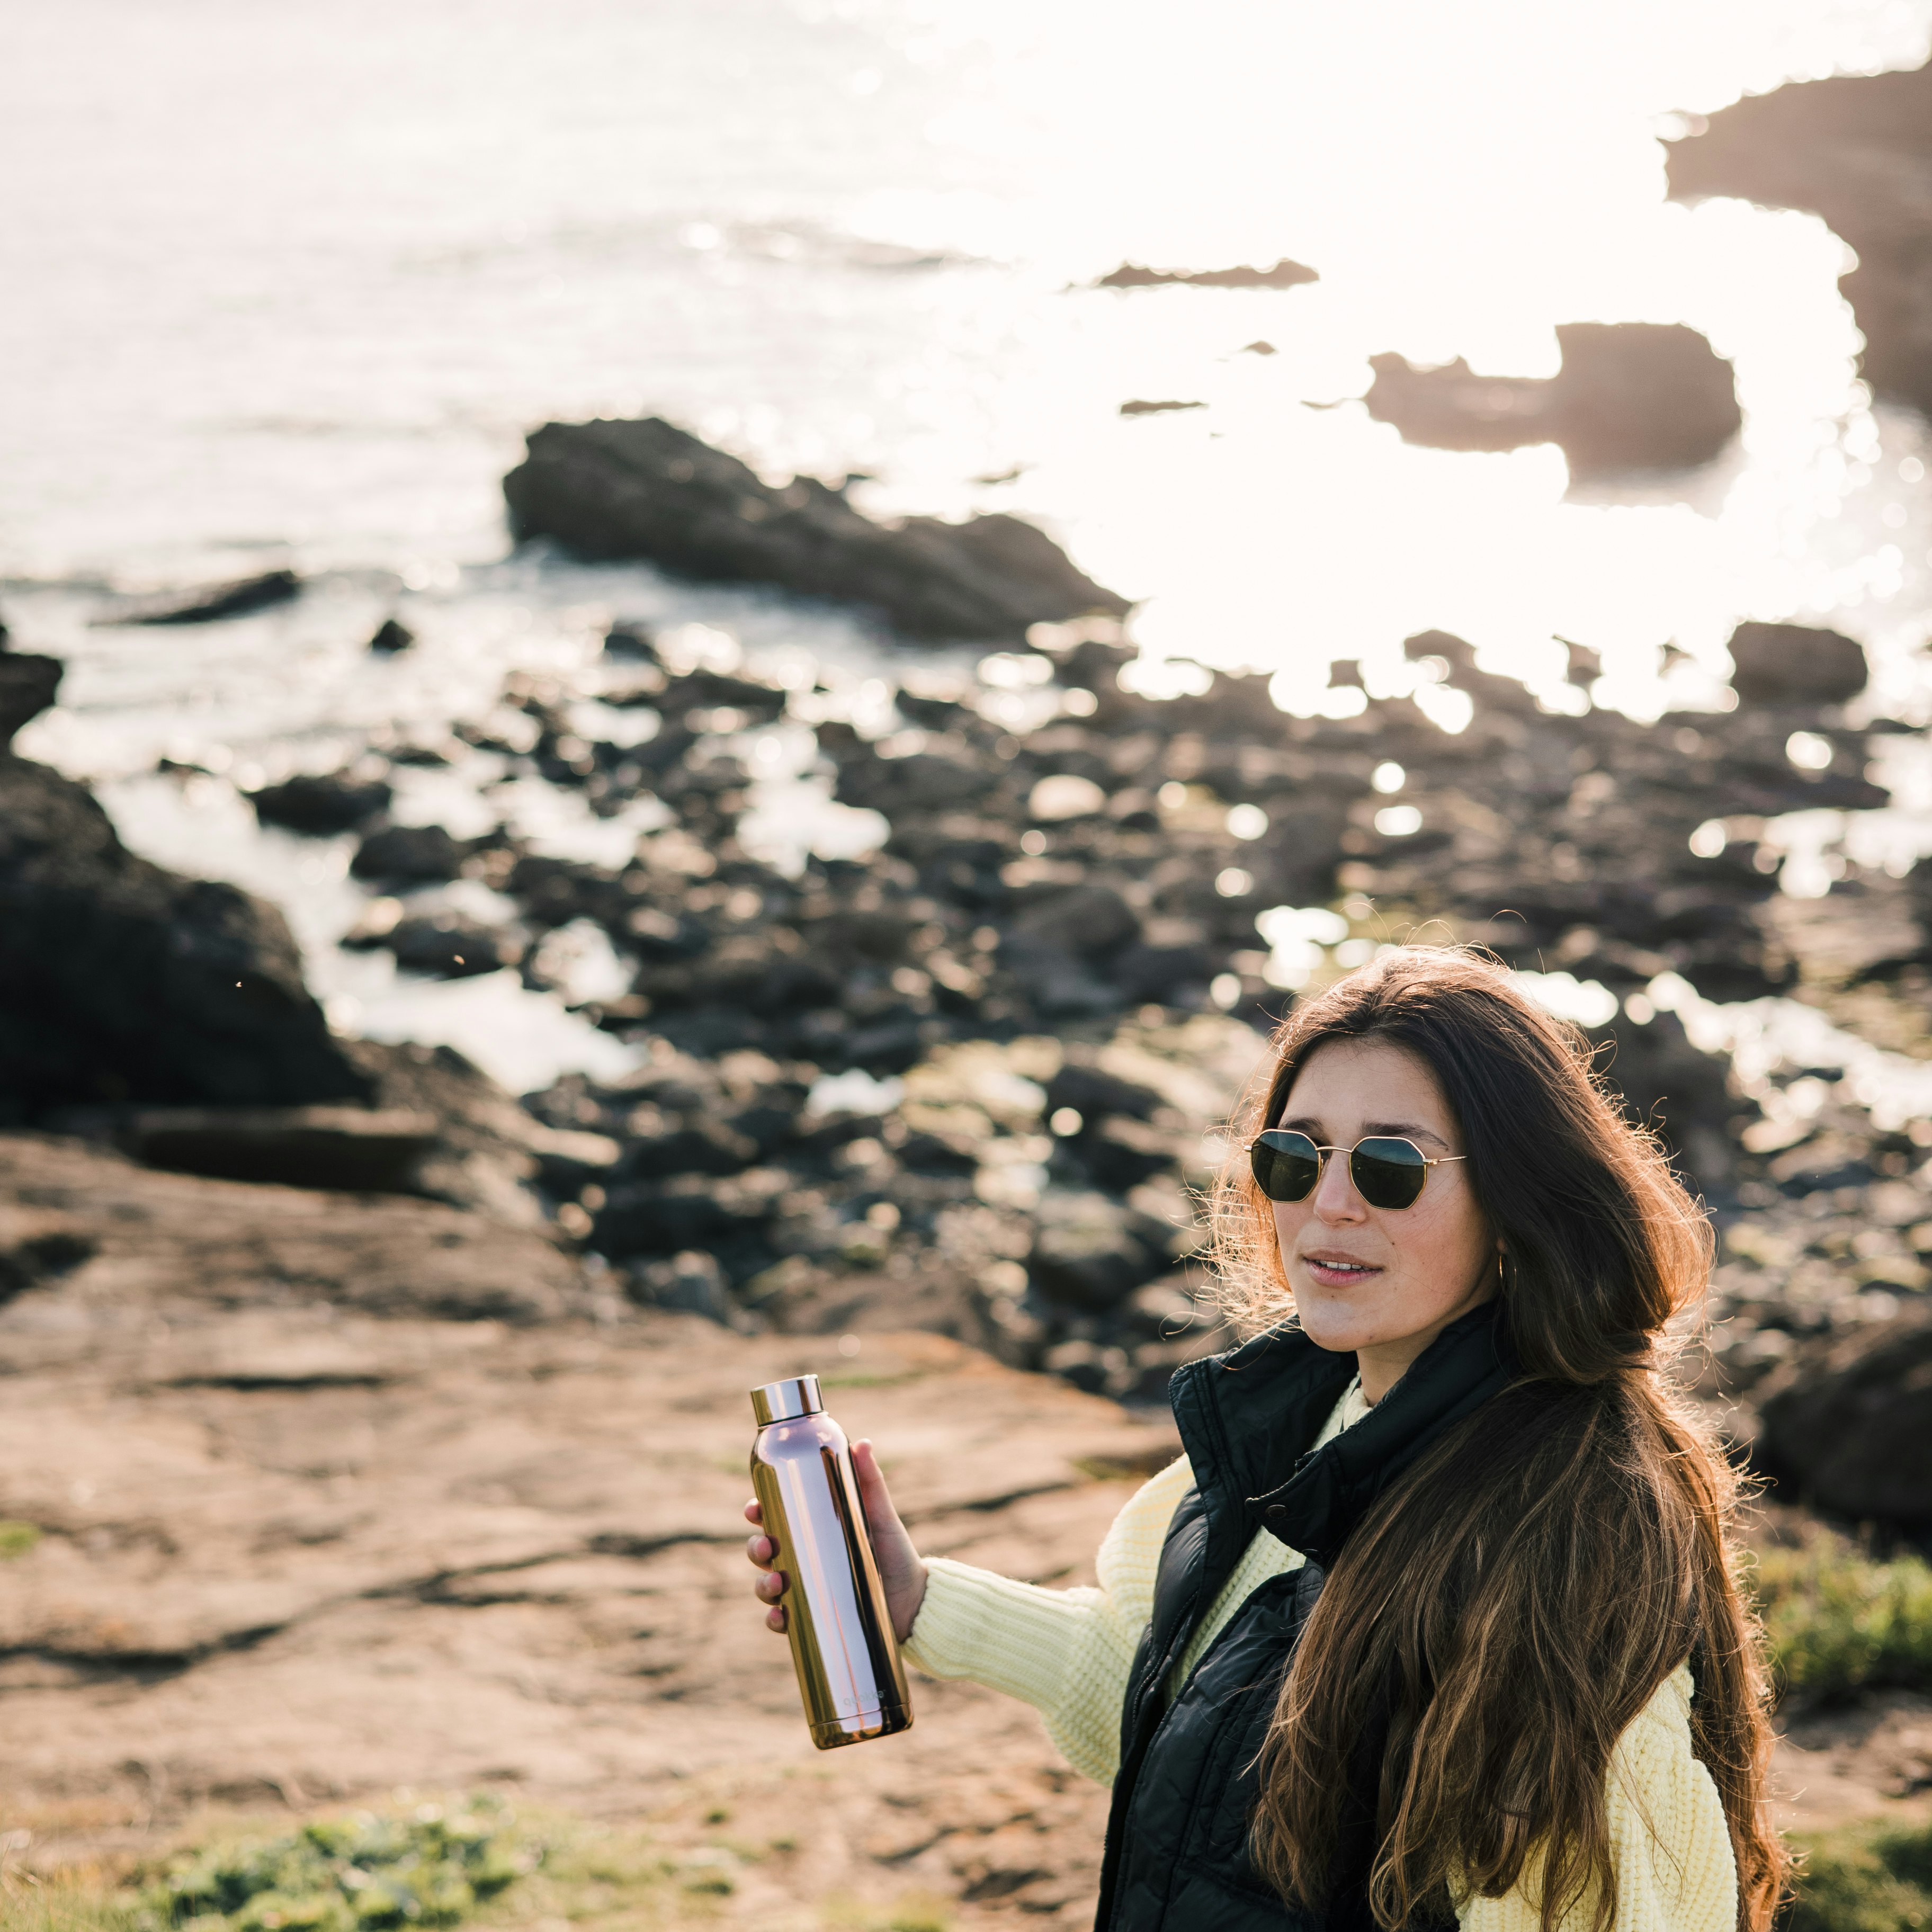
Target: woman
[[1435, 1623]]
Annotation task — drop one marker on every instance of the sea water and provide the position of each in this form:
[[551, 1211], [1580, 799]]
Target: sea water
[[289, 284]]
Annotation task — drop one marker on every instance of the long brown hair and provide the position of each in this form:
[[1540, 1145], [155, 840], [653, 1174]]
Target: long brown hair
[[1513, 1602]]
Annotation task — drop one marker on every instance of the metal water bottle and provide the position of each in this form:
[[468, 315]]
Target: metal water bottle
[[842, 1645]]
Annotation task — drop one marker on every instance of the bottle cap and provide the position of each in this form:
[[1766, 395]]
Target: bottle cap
[[786, 1401]]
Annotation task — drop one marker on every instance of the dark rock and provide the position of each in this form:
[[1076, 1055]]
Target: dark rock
[[1854, 150], [320, 806], [1679, 1092], [569, 1160], [1164, 973], [647, 1218], [712, 690], [1285, 275], [487, 1148], [27, 688], [701, 1147], [392, 635], [1631, 396], [923, 782], [234, 598], [1852, 1432], [1088, 1253], [1060, 948], [1141, 406], [352, 1149], [649, 490], [631, 640], [1793, 663], [36, 1258], [692, 1283], [1122, 1153], [122, 982], [1094, 920], [445, 946], [1165, 1309], [409, 855], [1091, 1368], [1093, 1094]]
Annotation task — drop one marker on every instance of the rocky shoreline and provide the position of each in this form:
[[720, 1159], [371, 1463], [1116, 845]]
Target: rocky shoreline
[[977, 1079]]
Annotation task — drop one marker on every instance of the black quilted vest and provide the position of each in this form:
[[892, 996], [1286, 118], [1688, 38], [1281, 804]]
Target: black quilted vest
[[1177, 1858]]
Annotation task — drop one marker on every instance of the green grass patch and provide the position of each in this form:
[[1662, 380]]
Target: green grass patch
[[367, 1872], [16, 1539], [1863, 1878], [1839, 1622]]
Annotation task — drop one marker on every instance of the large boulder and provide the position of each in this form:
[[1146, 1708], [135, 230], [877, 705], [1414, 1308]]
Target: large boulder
[[1089, 1253], [1852, 1431], [1856, 150], [27, 688], [320, 805], [651, 491], [122, 982], [1631, 396], [1793, 663]]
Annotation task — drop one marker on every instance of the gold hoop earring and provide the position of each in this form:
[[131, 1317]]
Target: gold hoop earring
[[1502, 1279]]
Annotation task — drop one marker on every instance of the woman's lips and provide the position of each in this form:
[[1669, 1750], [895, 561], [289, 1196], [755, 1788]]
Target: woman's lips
[[1333, 1272]]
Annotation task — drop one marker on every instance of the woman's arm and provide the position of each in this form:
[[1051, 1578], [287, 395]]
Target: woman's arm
[[1068, 1653], [1668, 1840]]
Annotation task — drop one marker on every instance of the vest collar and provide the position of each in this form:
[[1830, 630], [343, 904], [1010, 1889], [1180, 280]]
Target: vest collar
[[1247, 1418]]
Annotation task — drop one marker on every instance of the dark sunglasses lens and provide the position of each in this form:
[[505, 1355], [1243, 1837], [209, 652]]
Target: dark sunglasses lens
[[1388, 1173], [1286, 1166]]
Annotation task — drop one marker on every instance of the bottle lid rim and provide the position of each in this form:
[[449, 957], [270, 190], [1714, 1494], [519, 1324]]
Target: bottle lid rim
[[788, 1400]]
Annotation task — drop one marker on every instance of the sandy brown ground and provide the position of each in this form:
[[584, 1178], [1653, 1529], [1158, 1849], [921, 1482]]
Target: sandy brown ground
[[305, 1539]]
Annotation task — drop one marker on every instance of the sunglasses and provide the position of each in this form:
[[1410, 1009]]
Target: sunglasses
[[1386, 1172]]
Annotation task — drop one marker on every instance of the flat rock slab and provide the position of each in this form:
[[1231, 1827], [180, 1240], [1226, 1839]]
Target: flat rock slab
[[136, 1240], [293, 1554]]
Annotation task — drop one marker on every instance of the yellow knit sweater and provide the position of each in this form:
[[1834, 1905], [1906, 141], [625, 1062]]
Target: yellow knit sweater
[[1069, 1654]]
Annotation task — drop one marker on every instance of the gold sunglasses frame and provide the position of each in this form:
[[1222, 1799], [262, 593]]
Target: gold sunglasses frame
[[1321, 1165]]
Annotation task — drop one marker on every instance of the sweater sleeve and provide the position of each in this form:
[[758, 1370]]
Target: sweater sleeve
[[1068, 1653], [1669, 1839]]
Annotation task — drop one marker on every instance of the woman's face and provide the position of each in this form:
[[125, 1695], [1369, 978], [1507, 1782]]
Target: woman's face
[[1380, 1283]]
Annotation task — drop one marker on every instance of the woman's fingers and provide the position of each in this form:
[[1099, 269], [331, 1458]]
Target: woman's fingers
[[770, 1587]]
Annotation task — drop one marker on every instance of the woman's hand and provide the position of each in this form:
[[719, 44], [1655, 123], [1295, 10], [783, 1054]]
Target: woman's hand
[[900, 1569]]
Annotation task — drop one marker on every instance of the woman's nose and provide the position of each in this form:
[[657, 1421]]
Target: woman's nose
[[1335, 1196]]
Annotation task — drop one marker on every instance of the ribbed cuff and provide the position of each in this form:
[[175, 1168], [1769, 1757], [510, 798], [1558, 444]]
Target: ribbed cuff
[[1011, 1636]]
